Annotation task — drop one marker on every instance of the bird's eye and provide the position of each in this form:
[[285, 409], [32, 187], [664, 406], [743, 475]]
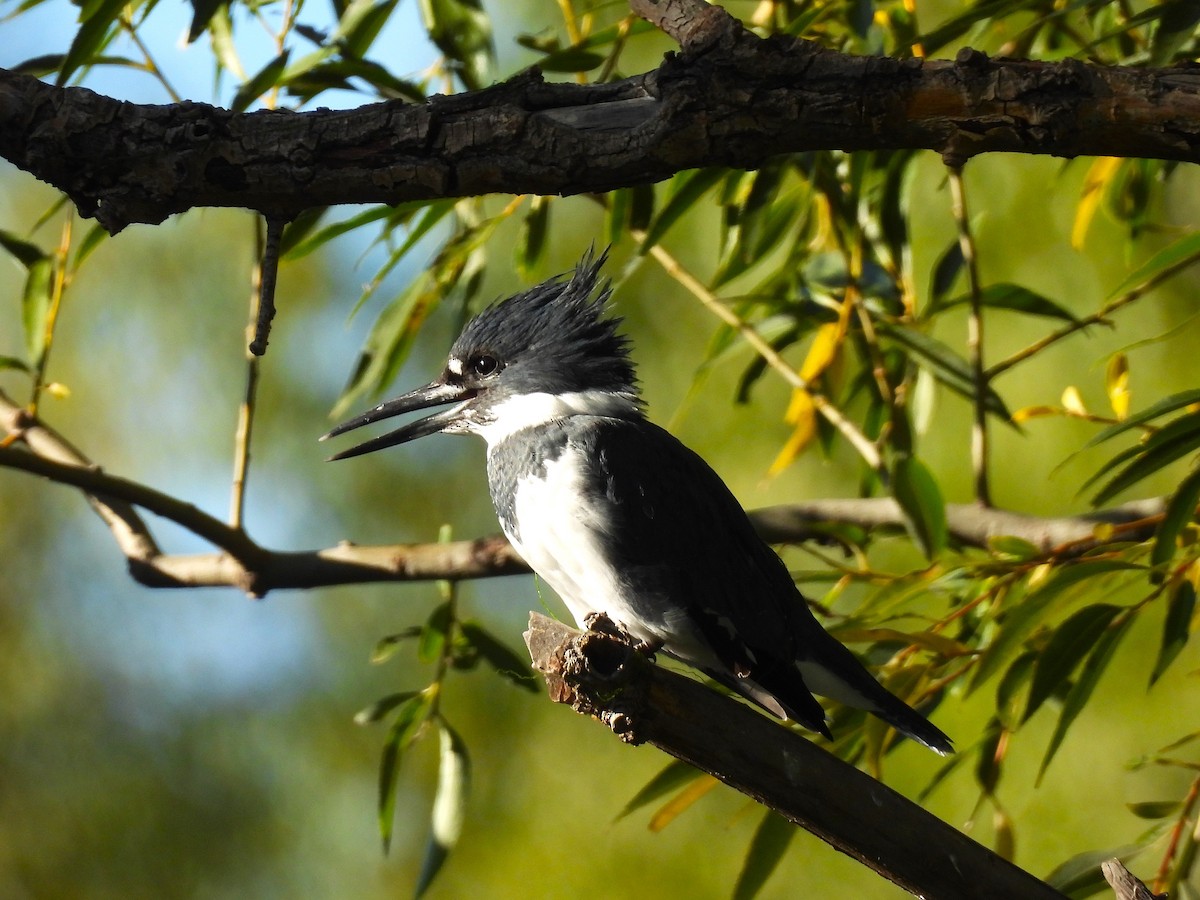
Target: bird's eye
[[484, 365]]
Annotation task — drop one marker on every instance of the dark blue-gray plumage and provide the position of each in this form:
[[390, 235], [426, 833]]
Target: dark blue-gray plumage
[[622, 519]]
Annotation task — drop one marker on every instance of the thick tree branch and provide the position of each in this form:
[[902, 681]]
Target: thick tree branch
[[730, 98], [642, 703]]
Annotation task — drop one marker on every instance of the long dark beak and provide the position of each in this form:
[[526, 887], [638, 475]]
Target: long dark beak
[[433, 394]]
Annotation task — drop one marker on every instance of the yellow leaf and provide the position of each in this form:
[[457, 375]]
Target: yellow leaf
[[803, 416], [1035, 412], [682, 801], [58, 390], [1072, 401], [1116, 382], [1100, 173], [824, 349]]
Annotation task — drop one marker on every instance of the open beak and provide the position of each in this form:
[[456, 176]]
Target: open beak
[[433, 394]]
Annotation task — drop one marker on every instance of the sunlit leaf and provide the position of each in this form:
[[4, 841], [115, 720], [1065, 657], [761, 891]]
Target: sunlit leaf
[[1070, 643], [1081, 691], [1159, 408], [96, 235], [361, 24], [917, 492], [410, 716], [682, 802], [1072, 401], [95, 22], [1173, 254], [1099, 174], [387, 646], [1177, 627], [381, 707], [1165, 446], [1116, 384], [770, 842], [670, 779], [433, 635], [449, 804], [802, 415], [689, 188], [264, 80], [35, 306], [1037, 606]]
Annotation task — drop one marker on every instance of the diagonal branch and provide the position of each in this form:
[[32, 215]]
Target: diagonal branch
[[642, 703]]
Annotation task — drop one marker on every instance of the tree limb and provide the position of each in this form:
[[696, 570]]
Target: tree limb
[[730, 99], [600, 676]]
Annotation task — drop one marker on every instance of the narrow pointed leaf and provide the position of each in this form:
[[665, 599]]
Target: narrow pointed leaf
[[1161, 408], [505, 661], [1171, 255], [26, 253], [409, 717], [35, 306], [673, 777], [1081, 691], [1166, 446], [433, 635], [691, 186], [95, 22], [381, 707], [1035, 608], [917, 492], [449, 804], [266, 78], [945, 272], [770, 842], [1176, 628], [1181, 509], [1070, 643]]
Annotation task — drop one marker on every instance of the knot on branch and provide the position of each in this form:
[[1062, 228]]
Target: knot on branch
[[597, 674]]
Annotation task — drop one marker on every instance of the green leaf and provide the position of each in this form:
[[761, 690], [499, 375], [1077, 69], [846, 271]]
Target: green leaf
[[11, 362], [1018, 299], [26, 253], [945, 365], [95, 21], [689, 188], [506, 663], [770, 842], [571, 59], [1161, 408], [1176, 26], [405, 727], [302, 245], [35, 307], [1013, 547], [381, 707], [449, 804], [95, 236], [1080, 876], [389, 644], [1012, 695], [202, 13], [1155, 809], [1036, 607], [1070, 643], [1081, 691], [462, 31], [531, 246], [1176, 627], [1165, 446], [1171, 255], [433, 635], [1181, 509], [670, 779], [916, 490], [266, 78], [360, 25], [945, 272]]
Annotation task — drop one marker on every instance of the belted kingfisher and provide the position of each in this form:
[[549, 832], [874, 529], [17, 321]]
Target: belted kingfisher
[[622, 519]]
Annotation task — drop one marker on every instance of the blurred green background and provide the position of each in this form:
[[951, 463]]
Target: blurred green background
[[201, 744]]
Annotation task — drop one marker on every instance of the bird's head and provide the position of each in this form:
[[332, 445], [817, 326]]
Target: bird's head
[[540, 355]]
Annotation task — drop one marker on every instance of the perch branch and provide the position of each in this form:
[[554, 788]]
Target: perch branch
[[642, 703]]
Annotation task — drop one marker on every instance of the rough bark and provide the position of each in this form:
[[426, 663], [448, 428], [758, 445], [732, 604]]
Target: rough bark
[[729, 98], [642, 703]]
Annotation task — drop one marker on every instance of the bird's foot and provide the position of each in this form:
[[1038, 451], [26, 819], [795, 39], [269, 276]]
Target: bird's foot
[[602, 624]]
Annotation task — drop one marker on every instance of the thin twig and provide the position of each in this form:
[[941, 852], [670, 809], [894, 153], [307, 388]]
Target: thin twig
[[245, 422], [58, 287], [268, 272], [979, 431], [1098, 318], [865, 447]]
